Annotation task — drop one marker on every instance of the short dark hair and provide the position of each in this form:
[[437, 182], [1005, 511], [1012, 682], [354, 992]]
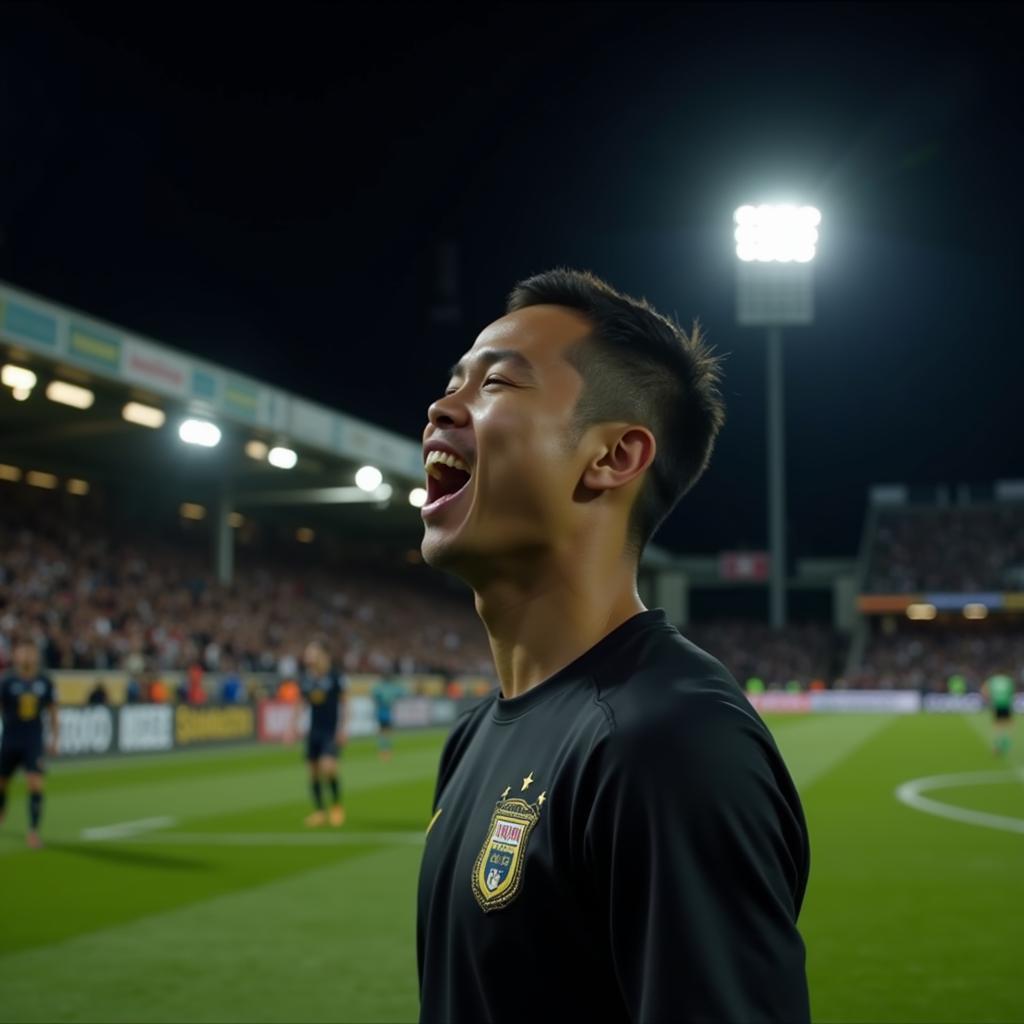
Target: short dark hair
[[641, 367]]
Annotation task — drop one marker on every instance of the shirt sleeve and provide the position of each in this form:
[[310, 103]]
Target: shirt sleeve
[[696, 852], [48, 698]]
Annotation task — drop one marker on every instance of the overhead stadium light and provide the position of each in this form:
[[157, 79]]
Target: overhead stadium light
[[21, 394], [369, 478], [37, 478], [190, 510], [63, 393], [11, 473], [418, 497], [384, 492], [144, 415], [282, 458], [236, 520], [777, 234], [17, 377], [922, 612], [79, 487], [200, 432], [304, 535], [975, 611], [256, 450]]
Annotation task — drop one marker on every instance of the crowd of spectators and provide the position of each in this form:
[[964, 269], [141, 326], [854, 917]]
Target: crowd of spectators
[[96, 598], [957, 549], [801, 653], [933, 659]]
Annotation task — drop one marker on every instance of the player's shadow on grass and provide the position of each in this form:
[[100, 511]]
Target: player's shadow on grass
[[111, 854]]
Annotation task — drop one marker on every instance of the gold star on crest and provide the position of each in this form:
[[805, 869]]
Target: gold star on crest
[[527, 783], [542, 798], [504, 796]]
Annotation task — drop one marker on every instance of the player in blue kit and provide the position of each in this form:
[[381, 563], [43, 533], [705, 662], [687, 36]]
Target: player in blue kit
[[25, 694]]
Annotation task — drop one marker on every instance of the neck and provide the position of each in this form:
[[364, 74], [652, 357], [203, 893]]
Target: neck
[[549, 610]]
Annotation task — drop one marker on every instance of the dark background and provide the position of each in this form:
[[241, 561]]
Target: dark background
[[337, 199]]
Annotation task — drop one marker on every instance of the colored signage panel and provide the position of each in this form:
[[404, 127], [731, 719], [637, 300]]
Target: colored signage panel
[[241, 397], [752, 566], [155, 368], [24, 323], [94, 347], [204, 384]]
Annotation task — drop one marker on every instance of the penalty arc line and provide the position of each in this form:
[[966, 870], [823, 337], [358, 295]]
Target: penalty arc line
[[909, 793], [126, 829]]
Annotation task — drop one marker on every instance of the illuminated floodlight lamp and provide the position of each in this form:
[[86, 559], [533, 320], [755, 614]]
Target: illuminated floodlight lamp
[[369, 478], [256, 450], [144, 415], [190, 510], [975, 611], [776, 234], [418, 497], [304, 535], [79, 487], [21, 394], [200, 432], [236, 520], [36, 478], [384, 492], [63, 393], [921, 612], [18, 378], [282, 458], [10, 473]]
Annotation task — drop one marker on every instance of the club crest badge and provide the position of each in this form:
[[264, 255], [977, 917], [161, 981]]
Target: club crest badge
[[498, 870]]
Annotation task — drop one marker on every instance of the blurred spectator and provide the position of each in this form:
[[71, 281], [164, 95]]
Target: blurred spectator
[[232, 689], [961, 549], [98, 694]]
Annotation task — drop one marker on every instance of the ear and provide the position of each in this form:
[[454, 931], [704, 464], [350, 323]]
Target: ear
[[626, 453]]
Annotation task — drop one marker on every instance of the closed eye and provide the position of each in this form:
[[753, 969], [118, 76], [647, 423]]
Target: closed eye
[[490, 380]]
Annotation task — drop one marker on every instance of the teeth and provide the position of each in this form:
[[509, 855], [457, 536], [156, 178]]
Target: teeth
[[435, 458]]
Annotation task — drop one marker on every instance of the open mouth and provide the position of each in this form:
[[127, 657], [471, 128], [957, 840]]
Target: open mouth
[[447, 476]]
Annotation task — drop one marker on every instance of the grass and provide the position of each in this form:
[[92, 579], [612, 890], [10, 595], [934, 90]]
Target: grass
[[232, 912]]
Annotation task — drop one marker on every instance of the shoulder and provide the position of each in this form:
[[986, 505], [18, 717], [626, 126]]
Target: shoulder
[[679, 711], [463, 732]]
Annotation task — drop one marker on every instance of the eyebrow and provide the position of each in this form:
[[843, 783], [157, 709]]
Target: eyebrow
[[489, 356]]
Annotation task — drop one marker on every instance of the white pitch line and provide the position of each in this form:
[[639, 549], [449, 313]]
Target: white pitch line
[[281, 838], [126, 829], [910, 794]]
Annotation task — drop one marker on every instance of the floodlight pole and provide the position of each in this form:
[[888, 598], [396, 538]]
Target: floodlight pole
[[223, 538], [776, 479]]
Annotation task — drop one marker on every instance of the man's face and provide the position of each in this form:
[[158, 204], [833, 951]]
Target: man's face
[[315, 658], [26, 660], [507, 414]]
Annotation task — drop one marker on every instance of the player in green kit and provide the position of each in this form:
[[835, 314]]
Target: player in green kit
[[999, 690], [386, 691]]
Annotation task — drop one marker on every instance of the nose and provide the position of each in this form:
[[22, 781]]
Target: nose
[[448, 411]]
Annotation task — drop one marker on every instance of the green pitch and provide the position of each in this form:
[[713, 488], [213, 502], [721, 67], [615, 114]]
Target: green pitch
[[184, 887]]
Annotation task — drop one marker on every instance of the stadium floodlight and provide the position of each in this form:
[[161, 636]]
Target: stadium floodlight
[[18, 378], [10, 473], [37, 478], [63, 393], [144, 415], [190, 510], [21, 394], [384, 492], [776, 234], [418, 497], [369, 478], [922, 612], [282, 458], [975, 611], [79, 487], [200, 432], [304, 535], [256, 450], [236, 520]]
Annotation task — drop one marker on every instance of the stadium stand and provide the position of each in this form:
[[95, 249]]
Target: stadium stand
[[960, 548], [95, 597], [801, 653]]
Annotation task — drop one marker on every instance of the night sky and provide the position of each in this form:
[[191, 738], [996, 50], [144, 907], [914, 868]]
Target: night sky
[[338, 198]]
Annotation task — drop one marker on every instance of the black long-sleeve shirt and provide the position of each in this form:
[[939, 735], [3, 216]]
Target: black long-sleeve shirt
[[621, 843]]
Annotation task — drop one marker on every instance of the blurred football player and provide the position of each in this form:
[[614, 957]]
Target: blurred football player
[[25, 694]]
